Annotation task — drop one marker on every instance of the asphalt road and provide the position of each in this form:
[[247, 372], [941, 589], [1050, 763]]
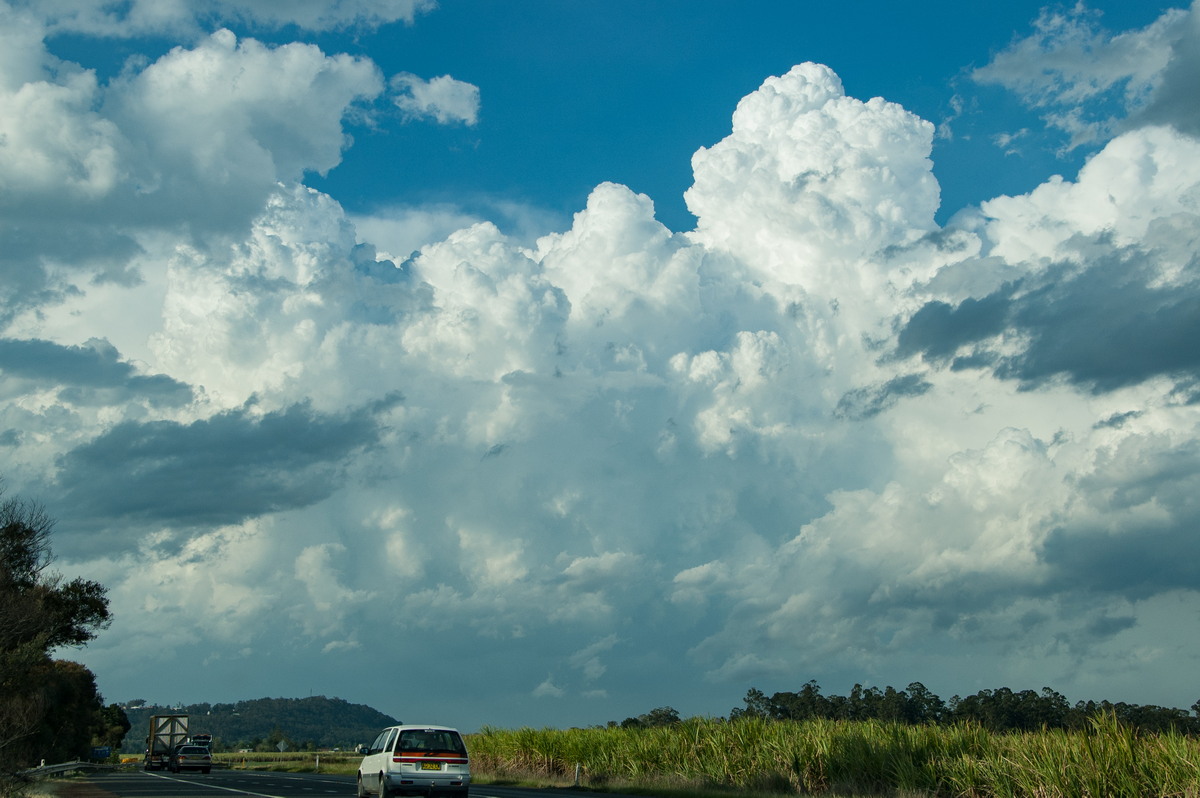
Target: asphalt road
[[229, 783], [223, 783]]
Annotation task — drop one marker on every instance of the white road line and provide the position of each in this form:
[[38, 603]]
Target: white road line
[[216, 786]]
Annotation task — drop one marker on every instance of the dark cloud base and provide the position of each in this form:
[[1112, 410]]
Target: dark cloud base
[[1103, 327], [220, 470]]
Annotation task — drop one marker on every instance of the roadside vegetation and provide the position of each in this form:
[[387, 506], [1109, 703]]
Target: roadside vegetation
[[839, 757], [50, 709]]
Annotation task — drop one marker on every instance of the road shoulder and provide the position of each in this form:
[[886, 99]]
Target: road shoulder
[[68, 788]]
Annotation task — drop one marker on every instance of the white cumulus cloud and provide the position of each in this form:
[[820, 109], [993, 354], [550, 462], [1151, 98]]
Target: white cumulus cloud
[[1091, 83], [443, 99], [819, 434]]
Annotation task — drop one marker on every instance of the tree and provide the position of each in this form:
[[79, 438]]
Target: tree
[[115, 726], [804, 705], [72, 714], [662, 716], [274, 738], [47, 610], [44, 705], [893, 706], [924, 706], [757, 706]]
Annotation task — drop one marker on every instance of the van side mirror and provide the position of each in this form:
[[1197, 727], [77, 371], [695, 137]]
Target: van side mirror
[[362, 749]]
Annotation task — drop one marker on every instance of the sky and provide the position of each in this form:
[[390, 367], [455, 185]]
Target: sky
[[534, 363]]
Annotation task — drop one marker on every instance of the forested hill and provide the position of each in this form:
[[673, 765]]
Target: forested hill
[[302, 723]]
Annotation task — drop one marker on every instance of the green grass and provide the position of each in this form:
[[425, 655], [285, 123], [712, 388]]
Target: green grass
[[842, 758], [712, 758]]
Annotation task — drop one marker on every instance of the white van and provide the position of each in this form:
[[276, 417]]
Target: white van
[[419, 760]]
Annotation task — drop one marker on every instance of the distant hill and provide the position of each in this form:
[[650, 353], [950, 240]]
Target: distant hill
[[302, 723]]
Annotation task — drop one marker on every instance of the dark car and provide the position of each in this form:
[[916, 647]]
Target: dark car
[[190, 757]]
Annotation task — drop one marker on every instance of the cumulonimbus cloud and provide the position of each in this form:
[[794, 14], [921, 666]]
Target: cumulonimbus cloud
[[817, 434]]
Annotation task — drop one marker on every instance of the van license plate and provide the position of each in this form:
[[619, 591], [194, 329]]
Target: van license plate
[[430, 766]]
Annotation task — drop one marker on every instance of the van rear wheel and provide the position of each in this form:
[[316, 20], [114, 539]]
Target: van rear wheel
[[384, 792]]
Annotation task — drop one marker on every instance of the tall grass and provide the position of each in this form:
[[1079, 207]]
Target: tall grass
[[860, 758]]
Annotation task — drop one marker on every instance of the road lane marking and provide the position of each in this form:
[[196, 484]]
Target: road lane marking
[[216, 786]]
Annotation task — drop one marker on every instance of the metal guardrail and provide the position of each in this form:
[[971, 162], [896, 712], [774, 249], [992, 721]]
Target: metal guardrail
[[65, 767]]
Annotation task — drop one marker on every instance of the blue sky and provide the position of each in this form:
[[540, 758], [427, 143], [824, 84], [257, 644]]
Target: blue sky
[[593, 357], [574, 94], [579, 93]]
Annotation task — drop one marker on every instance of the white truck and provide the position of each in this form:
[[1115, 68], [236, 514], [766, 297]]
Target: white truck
[[166, 733]]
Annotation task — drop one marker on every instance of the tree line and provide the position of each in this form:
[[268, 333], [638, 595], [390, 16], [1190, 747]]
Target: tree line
[[50, 709], [1000, 709]]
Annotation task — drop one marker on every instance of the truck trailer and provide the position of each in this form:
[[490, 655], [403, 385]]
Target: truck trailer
[[166, 733]]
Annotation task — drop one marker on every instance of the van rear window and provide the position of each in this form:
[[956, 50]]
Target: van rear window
[[430, 740]]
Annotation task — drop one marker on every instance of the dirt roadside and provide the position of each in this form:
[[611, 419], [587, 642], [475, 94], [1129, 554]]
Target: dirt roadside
[[68, 788]]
